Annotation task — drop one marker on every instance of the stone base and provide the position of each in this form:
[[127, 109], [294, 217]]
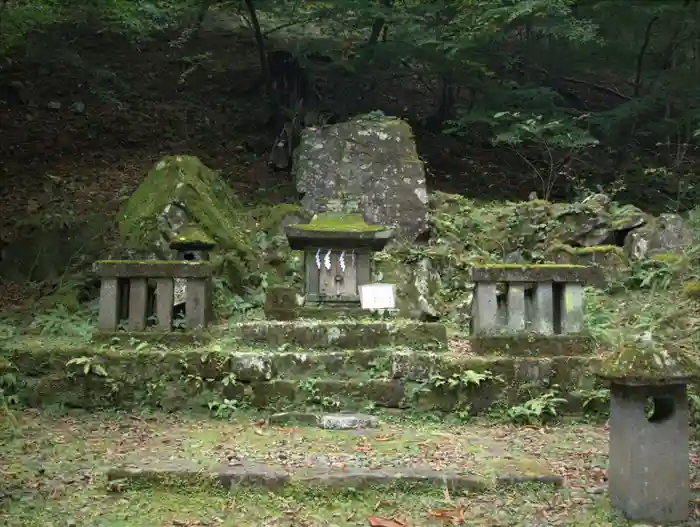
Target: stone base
[[344, 381], [532, 345], [318, 312], [343, 334]]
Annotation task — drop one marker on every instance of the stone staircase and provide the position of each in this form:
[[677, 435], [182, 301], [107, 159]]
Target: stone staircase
[[331, 365]]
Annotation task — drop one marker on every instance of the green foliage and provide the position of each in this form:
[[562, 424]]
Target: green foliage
[[539, 409], [61, 321]]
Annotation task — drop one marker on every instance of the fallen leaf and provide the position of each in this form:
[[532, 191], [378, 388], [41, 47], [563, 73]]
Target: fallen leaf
[[259, 422], [375, 521]]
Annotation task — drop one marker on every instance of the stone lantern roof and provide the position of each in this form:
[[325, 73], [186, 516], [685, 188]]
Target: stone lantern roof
[[338, 231]]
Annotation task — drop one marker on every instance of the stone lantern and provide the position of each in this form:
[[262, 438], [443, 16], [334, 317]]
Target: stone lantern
[[648, 467], [337, 256], [192, 244]]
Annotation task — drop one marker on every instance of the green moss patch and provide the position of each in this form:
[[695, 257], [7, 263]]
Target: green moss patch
[[649, 363], [339, 222]]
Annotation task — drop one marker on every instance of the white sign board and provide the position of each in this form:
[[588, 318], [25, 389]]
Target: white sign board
[[377, 296]]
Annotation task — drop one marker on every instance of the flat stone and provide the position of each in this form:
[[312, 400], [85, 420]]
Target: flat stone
[[174, 473], [347, 421], [287, 418]]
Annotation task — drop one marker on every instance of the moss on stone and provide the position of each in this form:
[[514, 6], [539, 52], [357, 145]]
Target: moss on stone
[[194, 235], [338, 222], [210, 204], [532, 345], [584, 251], [648, 363], [565, 273], [273, 216]]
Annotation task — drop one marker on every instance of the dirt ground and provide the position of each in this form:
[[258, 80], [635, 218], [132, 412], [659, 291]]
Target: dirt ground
[[52, 472]]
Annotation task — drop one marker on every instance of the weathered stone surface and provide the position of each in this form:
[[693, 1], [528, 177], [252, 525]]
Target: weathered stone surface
[[609, 259], [530, 273], [532, 345], [339, 380], [281, 303], [416, 285], [648, 469], [667, 233], [288, 418], [178, 194], [368, 165], [342, 334], [174, 473], [347, 421], [151, 269]]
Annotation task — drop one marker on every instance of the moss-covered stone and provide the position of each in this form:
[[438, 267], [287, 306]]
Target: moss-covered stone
[[530, 273], [339, 222], [152, 269], [181, 192], [338, 230], [532, 345], [90, 376], [281, 303], [326, 312], [192, 237], [341, 334], [648, 363], [272, 218]]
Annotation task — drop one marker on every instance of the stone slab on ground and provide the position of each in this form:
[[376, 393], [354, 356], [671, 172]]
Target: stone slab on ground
[[347, 421], [342, 334], [176, 473], [274, 456], [338, 421]]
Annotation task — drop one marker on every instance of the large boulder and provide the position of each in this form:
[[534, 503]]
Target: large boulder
[[368, 165], [667, 233], [180, 194]]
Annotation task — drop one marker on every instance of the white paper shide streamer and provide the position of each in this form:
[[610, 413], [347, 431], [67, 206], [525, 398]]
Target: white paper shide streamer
[[318, 259], [327, 260], [341, 261]]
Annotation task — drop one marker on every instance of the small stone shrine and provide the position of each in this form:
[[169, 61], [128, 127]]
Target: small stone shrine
[[648, 467], [191, 245], [337, 256]]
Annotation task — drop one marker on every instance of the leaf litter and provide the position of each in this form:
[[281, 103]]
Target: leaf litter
[[60, 459]]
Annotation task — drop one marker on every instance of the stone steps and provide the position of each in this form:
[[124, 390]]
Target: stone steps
[[350, 379], [342, 334]]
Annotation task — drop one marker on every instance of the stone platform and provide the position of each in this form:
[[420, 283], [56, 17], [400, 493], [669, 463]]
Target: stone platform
[[141, 374], [272, 457]]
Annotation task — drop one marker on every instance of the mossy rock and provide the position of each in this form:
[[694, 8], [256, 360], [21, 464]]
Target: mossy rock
[[648, 363], [609, 259], [180, 195]]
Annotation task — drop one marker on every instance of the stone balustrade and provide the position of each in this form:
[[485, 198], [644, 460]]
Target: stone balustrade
[[543, 299], [141, 301]]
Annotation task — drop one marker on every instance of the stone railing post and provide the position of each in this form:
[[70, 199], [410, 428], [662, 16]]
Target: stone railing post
[[137, 274], [648, 465], [554, 307]]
